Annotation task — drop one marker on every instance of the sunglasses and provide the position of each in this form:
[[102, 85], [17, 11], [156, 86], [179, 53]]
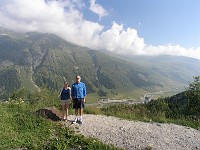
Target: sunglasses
[[77, 78]]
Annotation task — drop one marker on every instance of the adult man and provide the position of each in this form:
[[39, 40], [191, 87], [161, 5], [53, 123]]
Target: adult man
[[78, 93]]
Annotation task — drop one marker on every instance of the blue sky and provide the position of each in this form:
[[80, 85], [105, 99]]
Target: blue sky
[[128, 27], [157, 21]]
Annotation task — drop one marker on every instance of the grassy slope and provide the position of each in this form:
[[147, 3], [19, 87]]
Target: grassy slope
[[21, 128], [26, 78]]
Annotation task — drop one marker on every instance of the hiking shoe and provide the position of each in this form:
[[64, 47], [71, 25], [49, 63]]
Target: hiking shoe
[[63, 118], [80, 122], [75, 121]]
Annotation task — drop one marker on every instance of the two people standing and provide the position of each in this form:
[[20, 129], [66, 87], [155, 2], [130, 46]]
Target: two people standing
[[78, 95]]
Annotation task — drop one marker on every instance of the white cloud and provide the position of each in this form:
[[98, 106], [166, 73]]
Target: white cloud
[[65, 19], [97, 9], [59, 17], [172, 50], [119, 40]]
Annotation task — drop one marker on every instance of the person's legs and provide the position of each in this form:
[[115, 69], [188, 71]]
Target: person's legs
[[76, 115], [75, 106], [81, 114], [76, 112], [66, 108], [63, 111], [81, 110]]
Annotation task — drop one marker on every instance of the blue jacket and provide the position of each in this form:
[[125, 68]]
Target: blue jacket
[[78, 90]]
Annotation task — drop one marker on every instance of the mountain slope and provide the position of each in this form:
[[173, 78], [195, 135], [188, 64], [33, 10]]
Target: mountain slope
[[47, 60], [179, 68]]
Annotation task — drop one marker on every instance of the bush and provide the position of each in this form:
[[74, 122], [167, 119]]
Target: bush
[[92, 110], [193, 93]]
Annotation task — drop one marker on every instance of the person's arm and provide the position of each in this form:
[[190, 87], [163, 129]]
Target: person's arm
[[72, 93], [59, 96], [84, 93], [70, 97]]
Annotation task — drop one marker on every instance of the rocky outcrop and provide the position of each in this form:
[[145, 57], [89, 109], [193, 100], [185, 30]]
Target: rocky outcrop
[[51, 113]]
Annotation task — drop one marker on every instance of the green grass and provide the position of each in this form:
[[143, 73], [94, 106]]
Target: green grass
[[174, 109], [117, 94], [167, 94], [92, 110], [21, 128], [142, 113], [133, 94], [26, 78], [92, 98]]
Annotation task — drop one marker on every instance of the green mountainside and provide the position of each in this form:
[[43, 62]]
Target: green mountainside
[[178, 68], [33, 60]]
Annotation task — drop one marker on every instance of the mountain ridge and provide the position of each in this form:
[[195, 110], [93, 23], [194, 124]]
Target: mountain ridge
[[46, 59]]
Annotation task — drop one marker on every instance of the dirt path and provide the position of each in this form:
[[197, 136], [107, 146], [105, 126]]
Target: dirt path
[[139, 135]]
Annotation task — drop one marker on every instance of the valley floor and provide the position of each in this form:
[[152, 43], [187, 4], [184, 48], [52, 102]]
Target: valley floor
[[132, 135]]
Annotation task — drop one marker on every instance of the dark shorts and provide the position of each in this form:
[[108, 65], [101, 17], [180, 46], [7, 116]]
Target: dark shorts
[[78, 103]]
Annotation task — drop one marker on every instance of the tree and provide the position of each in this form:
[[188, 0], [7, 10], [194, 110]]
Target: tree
[[102, 93], [193, 93]]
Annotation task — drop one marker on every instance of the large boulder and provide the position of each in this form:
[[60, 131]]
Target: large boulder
[[51, 113]]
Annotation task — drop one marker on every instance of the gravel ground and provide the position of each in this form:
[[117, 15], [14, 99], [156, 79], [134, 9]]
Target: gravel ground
[[132, 135]]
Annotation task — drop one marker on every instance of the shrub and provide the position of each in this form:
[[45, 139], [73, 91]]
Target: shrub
[[193, 93]]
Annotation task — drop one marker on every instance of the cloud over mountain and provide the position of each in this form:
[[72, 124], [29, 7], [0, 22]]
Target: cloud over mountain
[[97, 9], [66, 19]]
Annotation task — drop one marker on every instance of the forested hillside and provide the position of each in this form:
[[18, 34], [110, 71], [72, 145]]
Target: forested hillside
[[33, 60]]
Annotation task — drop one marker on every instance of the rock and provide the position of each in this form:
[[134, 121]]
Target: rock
[[51, 113], [158, 124]]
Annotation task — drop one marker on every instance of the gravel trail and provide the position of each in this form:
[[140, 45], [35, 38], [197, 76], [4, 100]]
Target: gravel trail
[[134, 135]]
